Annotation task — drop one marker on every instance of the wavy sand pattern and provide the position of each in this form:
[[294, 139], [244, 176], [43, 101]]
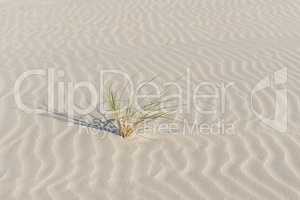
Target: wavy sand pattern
[[240, 41]]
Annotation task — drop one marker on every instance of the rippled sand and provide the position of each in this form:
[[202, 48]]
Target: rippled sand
[[240, 42]]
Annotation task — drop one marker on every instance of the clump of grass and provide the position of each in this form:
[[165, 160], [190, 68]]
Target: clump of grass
[[129, 119]]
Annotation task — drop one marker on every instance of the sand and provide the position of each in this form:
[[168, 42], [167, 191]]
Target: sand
[[244, 42]]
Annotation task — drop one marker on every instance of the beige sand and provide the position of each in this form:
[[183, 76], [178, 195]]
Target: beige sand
[[241, 42]]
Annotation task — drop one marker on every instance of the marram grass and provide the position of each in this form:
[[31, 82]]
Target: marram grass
[[128, 118]]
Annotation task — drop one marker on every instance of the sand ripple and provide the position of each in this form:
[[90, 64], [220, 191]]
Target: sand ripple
[[219, 41]]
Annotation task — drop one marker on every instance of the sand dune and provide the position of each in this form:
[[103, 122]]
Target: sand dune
[[239, 42]]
